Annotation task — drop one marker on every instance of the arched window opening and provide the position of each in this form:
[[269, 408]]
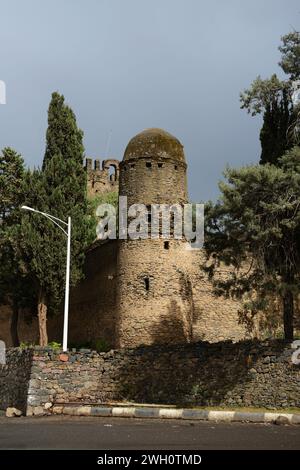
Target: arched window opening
[[112, 173]]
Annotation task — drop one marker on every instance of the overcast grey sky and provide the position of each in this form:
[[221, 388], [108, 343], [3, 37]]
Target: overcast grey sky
[[125, 65]]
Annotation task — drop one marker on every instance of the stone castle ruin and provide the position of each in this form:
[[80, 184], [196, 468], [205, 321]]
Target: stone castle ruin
[[154, 290], [101, 180], [145, 291]]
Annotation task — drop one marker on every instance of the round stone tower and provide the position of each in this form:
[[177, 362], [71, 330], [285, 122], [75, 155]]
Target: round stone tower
[[154, 292], [153, 170]]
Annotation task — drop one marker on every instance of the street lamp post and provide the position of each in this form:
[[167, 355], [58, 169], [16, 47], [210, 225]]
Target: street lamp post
[[67, 232]]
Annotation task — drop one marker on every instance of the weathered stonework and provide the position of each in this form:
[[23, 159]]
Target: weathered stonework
[[256, 374], [14, 379], [99, 180], [143, 292]]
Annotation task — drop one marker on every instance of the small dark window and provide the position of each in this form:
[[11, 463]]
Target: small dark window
[[175, 167], [148, 164], [172, 220], [159, 165], [132, 165], [149, 214], [166, 245], [147, 283]]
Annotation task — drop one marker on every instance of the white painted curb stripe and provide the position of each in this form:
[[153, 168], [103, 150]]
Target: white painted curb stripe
[[126, 412], [174, 413], [170, 413], [220, 415], [271, 417]]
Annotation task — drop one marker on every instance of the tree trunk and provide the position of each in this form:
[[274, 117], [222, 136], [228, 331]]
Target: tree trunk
[[288, 315], [42, 318], [14, 325]]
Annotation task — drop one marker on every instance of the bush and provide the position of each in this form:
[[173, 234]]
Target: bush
[[101, 345]]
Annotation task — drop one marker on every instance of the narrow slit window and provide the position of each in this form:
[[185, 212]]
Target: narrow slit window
[[176, 167], [148, 164], [159, 165], [147, 283], [166, 245], [149, 214]]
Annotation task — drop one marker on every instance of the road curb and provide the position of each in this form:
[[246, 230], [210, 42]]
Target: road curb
[[175, 413]]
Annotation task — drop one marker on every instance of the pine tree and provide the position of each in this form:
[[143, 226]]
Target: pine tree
[[255, 228]]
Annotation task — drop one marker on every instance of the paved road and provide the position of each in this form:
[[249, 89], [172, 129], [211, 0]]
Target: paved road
[[117, 433]]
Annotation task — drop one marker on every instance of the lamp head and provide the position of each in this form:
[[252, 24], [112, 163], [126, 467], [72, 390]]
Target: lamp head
[[28, 208]]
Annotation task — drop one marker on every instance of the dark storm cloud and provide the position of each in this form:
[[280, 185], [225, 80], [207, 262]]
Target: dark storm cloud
[[125, 65]]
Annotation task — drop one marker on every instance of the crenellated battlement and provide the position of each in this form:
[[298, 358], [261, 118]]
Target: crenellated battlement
[[102, 178]]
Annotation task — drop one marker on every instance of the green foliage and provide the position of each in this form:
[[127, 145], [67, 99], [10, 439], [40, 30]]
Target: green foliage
[[26, 345], [95, 201], [60, 189], [291, 160], [54, 345], [11, 175], [106, 198], [290, 49], [255, 228], [274, 136], [15, 286], [63, 136], [100, 345], [272, 97], [263, 94]]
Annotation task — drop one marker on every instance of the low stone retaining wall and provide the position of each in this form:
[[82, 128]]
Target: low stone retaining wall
[[14, 379], [256, 374]]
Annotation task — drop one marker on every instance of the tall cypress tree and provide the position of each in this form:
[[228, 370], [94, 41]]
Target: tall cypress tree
[[63, 136], [273, 135], [59, 189]]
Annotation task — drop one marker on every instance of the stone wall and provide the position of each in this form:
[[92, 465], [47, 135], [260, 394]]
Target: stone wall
[[179, 306], [99, 179], [14, 379], [93, 313], [258, 374]]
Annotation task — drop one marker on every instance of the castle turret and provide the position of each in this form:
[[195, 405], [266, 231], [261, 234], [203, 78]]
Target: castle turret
[[153, 170], [154, 298]]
